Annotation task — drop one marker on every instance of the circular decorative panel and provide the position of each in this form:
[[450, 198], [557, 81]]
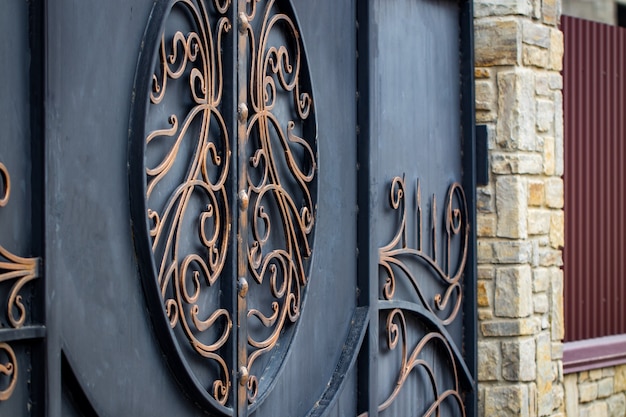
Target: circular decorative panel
[[222, 167]]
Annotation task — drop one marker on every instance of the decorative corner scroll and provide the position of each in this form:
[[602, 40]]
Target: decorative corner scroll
[[446, 268], [20, 271]]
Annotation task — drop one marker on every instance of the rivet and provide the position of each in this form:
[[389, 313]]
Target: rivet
[[242, 287], [242, 111], [243, 22], [243, 376], [243, 200]]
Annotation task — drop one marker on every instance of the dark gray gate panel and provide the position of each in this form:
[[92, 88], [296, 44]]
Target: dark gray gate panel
[[103, 327], [417, 218], [98, 311]]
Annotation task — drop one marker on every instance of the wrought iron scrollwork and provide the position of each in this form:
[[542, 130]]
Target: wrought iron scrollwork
[[399, 259], [448, 271], [21, 271], [186, 174], [281, 141], [187, 166], [413, 359]]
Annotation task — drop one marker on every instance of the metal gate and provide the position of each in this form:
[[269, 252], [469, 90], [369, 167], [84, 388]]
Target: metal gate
[[237, 207]]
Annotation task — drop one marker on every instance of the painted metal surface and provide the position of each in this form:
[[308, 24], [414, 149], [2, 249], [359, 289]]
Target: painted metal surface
[[594, 96], [180, 244]]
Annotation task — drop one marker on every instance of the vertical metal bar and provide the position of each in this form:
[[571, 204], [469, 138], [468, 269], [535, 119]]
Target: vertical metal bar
[[367, 267], [242, 373], [37, 131], [470, 308], [51, 13], [229, 286]]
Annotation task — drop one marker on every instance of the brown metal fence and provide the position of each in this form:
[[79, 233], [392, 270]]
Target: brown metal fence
[[594, 94]]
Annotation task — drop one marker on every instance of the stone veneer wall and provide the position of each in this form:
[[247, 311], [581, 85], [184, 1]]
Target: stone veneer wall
[[520, 219], [596, 393]]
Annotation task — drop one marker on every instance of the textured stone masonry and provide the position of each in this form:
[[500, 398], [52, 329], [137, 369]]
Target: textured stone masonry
[[520, 220]]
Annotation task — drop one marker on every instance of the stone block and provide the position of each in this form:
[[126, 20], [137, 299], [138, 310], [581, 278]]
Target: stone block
[[595, 374], [516, 163], [598, 409], [497, 42], [534, 56], [605, 387], [482, 73], [518, 360], [536, 9], [541, 279], [556, 81], [541, 304], [485, 314], [570, 385], [587, 392], [511, 203], [485, 95], [511, 252], [558, 133], [557, 353], [484, 290], [551, 11], [483, 116], [539, 221], [620, 378], [485, 203], [520, 327], [545, 115], [549, 156], [608, 372], [484, 254], [535, 34], [554, 192], [489, 358], [486, 272], [558, 398], [515, 129], [511, 400], [545, 375], [549, 257], [583, 376], [542, 84], [556, 50], [536, 193], [557, 229], [557, 319], [617, 405], [484, 8], [486, 225], [513, 292]]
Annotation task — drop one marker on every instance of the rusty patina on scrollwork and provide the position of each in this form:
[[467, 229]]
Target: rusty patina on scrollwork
[[445, 269], [21, 271], [188, 266], [281, 142]]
